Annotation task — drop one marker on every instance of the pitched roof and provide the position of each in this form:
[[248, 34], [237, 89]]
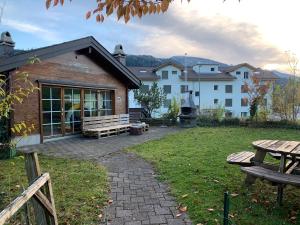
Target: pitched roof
[[193, 76], [265, 74], [169, 63], [144, 73], [90, 43], [235, 67]]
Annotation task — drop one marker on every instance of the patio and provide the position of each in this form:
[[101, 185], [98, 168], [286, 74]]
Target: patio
[[138, 197]]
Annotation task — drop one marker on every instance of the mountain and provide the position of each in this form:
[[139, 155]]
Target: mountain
[[143, 61], [150, 61], [283, 77], [190, 60]]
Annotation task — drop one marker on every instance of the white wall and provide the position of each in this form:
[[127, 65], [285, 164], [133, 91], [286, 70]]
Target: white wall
[[207, 92]]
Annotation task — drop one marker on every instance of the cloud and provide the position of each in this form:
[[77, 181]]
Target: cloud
[[215, 37], [42, 33]]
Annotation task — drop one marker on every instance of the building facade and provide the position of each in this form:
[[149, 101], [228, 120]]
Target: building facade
[[212, 85], [76, 79]]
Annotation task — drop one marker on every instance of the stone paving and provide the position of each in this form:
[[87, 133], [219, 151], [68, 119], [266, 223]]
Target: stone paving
[[138, 197]]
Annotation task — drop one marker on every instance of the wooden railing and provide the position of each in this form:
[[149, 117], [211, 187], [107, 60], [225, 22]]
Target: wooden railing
[[39, 192]]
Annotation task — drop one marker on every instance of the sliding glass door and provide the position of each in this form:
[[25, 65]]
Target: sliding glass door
[[51, 111], [62, 108], [72, 111]]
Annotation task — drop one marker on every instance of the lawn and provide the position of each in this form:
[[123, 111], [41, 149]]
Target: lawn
[[193, 162], [80, 187]]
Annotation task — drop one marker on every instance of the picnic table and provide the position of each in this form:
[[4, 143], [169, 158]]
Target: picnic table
[[255, 167]]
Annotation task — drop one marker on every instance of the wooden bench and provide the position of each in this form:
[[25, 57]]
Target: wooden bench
[[103, 126], [273, 176], [241, 158]]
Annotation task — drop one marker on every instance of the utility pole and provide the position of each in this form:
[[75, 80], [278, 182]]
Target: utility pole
[[199, 107]]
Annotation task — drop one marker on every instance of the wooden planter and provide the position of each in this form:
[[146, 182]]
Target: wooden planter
[[7, 151]]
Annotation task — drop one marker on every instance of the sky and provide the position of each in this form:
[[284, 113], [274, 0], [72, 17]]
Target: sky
[[255, 31]]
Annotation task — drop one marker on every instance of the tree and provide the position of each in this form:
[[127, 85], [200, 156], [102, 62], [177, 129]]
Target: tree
[[150, 100], [256, 91], [125, 9], [286, 100], [9, 97], [173, 110]]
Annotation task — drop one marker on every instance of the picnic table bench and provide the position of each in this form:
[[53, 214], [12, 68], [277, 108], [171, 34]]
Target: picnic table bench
[[255, 167]]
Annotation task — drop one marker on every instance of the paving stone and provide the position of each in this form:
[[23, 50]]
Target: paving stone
[[139, 198], [157, 219]]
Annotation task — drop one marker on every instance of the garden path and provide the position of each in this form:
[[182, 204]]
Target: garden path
[[138, 196]]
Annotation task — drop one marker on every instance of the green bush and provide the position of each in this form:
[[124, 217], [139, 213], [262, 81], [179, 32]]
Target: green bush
[[173, 111]]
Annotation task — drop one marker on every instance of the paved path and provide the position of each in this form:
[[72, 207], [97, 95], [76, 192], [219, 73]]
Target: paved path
[[138, 197]]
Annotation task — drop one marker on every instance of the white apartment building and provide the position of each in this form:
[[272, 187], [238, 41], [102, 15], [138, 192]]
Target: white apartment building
[[212, 85]]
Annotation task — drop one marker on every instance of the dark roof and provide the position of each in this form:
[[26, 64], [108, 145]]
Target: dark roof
[[144, 73], [90, 43], [265, 74], [193, 76], [168, 63], [235, 67]]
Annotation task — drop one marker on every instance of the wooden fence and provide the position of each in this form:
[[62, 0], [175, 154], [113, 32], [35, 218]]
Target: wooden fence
[[39, 192]]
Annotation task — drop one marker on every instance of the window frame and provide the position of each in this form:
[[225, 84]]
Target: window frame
[[229, 91], [228, 99], [164, 73]]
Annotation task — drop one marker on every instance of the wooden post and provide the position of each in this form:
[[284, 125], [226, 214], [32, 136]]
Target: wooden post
[[42, 215], [280, 186], [258, 159]]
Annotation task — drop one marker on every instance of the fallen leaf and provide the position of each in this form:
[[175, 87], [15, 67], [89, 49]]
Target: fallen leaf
[[231, 215], [178, 215], [184, 196], [254, 200], [210, 210], [293, 218], [183, 209], [216, 181], [100, 216], [110, 201], [234, 194], [199, 224]]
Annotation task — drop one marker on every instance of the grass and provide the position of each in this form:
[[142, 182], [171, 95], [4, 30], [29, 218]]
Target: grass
[[194, 164], [80, 187]]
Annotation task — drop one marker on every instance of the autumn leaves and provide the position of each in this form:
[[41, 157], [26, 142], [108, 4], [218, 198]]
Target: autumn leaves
[[125, 9]]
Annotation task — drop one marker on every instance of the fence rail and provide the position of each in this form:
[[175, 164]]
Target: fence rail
[[39, 192]]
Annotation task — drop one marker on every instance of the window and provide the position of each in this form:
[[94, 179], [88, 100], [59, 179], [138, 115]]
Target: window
[[244, 114], [164, 75], [144, 88], [51, 111], [246, 75], [216, 101], [174, 72], [243, 89], [167, 103], [105, 103], [238, 72], [212, 69], [184, 88], [228, 114], [228, 88], [90, 103], [215, 87], [197, 93], [244, 102], [98, 103], [228, 102], [72, 112], [167, 89]]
